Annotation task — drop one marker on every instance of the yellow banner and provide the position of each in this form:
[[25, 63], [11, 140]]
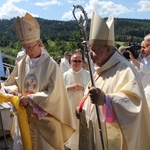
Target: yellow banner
[[22, 119]]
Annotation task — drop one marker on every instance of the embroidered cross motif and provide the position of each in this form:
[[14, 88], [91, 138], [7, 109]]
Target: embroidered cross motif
[[30, 29]]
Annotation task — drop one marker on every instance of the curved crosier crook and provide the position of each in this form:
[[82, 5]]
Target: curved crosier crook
[[82, 21]]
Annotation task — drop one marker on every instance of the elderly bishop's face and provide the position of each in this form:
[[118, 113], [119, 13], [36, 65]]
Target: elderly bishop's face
[[99, 54]]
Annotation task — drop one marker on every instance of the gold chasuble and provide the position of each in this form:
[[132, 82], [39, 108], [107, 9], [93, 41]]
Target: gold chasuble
[[120, 81], [45, 86]]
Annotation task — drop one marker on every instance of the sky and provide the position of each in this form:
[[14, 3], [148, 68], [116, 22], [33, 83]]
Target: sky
[[62, 9]]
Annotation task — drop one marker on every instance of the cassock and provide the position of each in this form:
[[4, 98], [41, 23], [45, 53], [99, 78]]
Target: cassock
[[73, 77]]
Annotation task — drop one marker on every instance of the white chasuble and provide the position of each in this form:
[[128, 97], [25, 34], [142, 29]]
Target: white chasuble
[[120, 81]]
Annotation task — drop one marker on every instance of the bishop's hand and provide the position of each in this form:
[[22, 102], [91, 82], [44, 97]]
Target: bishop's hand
[[97, 96]]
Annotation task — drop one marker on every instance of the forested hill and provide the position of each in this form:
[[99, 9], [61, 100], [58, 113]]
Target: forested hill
[[64, 30]]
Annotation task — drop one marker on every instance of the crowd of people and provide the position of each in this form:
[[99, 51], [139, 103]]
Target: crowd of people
[[65, 108]]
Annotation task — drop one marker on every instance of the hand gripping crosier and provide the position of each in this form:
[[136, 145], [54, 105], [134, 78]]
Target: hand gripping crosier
[[83, 22], [22, 120]]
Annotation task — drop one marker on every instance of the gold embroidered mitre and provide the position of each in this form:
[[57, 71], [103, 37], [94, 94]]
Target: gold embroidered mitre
[[101, 32], [27, 29]]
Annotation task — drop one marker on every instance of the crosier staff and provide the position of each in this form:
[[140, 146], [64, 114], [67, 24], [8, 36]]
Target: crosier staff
[[83, 22]]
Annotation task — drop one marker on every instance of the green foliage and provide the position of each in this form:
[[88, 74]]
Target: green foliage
[[136, 28], [61, 36]]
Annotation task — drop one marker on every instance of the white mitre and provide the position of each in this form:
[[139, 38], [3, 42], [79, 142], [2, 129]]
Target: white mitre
[[101, 32]]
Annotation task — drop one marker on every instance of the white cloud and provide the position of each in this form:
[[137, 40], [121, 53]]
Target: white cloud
[[8, 11], [68, 15], [144, 6], [103, 8], [47, 3]]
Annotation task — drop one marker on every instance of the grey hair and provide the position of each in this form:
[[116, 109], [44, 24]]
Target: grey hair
[[147, 36]]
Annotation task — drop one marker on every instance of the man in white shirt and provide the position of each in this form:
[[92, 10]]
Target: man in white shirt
[[65, 65], [143, 65]]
